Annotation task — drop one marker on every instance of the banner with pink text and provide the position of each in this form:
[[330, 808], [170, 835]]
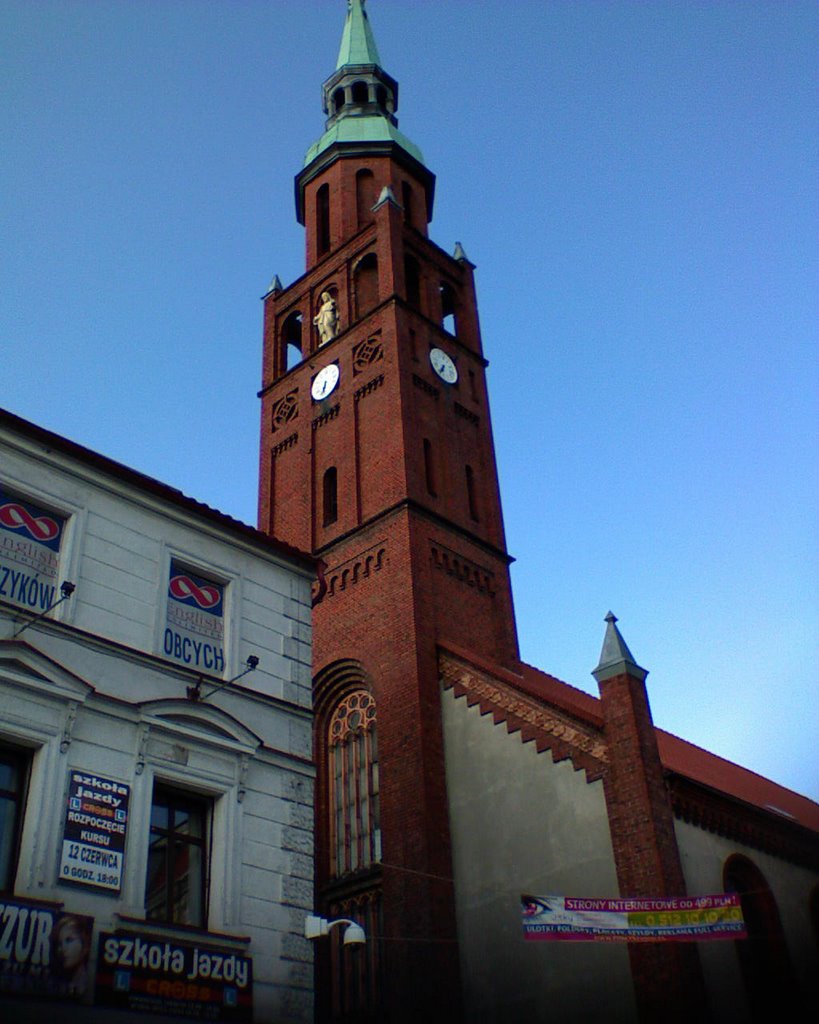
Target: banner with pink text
[[683, 919]]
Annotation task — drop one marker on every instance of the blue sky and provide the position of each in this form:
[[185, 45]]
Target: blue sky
[[636, 184]]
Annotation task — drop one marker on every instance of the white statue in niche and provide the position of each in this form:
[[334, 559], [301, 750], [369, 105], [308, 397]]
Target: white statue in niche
[[326, 320]]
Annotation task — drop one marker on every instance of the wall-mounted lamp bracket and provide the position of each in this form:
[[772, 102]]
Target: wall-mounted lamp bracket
[[316, 927], [195, 691], [67, 588]]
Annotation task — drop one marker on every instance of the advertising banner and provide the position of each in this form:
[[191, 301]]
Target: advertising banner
[[194, 628], [43, 951], [695, 918], [154, 975], [96, 821], [29, 553]]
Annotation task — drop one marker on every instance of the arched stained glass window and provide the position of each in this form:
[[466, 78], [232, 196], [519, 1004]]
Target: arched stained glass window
[[354, 800]]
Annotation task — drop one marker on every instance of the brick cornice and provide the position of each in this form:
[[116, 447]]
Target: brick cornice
[[549, 729], [715, 812]]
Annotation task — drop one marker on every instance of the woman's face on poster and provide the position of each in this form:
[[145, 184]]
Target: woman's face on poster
[[71, 947]]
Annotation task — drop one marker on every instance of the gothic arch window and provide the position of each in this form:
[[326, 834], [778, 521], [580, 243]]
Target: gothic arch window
[[348, 851], [329, 496], [323, 220], [355, 824], [365, 283], [361, 92], [381, 97], [357, 983], [365, 196], [763, 956], [338, 100], [449, 320], [291, 337]]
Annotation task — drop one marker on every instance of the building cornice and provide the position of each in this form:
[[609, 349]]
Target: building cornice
[[769, 831]]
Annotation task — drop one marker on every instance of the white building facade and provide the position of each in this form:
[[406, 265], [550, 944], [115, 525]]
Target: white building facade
[[156, 822]]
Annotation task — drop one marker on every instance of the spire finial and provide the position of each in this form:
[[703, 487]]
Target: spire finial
[[615, 658], [357, 40]]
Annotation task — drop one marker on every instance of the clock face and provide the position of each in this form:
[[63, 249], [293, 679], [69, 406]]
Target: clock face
[[324, 382], [443, 366]]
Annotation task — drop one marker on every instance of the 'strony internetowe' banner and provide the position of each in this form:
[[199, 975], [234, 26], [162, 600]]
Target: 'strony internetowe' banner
[[692, 918]]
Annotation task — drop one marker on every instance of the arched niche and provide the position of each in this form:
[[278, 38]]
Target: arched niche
[[449, 308], [365, 196], [763, 956], [292, 340], [365, 284]]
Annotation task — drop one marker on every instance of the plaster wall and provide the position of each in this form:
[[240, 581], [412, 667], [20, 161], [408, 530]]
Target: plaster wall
[[522, 824], [87, 688], [117, 549], [703, 858]]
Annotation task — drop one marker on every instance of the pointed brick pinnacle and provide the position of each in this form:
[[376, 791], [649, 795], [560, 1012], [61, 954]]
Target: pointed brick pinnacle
[[615, 658], [274, 286], [461, 256], [387, 196]]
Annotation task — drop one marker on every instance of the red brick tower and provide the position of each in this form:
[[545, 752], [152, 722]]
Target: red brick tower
[[377, 455]]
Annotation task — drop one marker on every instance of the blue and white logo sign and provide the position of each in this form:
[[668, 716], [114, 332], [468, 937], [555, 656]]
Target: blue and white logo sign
[[30, 540], [194, 629]]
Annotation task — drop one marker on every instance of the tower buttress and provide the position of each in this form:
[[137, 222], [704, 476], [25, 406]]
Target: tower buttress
[[668, 980]]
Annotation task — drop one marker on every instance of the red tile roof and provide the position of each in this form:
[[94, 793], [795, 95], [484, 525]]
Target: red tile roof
[[684, 758], [708, 769]]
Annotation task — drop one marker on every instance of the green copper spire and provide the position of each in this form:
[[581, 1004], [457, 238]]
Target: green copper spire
[[360, 101], [357, 42]]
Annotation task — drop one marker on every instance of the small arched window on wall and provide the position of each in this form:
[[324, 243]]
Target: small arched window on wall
[[763, 956], [329, 496], [355, 824], [449, 320], [365, 284], [365, 196], [292, 341], [323, 220]]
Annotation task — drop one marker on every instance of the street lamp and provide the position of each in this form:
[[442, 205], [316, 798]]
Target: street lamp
[[315, 927]]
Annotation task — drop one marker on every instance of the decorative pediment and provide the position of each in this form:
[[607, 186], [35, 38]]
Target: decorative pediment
[[209, 723], [24, 666]]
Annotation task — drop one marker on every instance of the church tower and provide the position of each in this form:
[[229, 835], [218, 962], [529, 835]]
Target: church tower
[[377, 456]]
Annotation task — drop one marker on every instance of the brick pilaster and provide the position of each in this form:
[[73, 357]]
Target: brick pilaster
[[667, 977]]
